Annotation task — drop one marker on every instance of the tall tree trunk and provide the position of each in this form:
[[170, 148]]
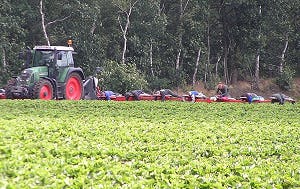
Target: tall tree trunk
[[235, 75], [178, 59], [125, 28], [92, 31], [256, 74], [151, 58], [196, 66], [207, 67], [43, 23], [205, 73], [179, 41], [217, 66], [124, 32], [4, 58], [183, 7], [282, 58], [225, 65], [257, 61]]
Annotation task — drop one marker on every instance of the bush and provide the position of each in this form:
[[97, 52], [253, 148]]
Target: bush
[[121, 78], [285, 79], [159, 83]]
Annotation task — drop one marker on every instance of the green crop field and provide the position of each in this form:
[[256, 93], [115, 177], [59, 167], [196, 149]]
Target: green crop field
[[106, 144]]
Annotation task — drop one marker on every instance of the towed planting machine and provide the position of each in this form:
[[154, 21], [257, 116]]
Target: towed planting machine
[[188, 98], [50, 73], [144, 97]]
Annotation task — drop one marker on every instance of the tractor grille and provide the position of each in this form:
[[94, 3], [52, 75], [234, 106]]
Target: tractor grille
[[25, 77]]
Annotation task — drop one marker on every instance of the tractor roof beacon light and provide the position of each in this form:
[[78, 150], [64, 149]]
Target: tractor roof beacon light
[[70, 42]]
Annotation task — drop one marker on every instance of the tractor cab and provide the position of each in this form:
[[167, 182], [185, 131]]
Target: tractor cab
[[57, 60], [59, 56]]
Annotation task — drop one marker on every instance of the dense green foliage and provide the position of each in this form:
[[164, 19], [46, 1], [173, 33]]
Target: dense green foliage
[[106, 144], [163, 39], [121, 78]]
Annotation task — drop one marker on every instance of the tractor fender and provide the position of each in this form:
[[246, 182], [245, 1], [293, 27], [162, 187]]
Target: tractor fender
[[52, 81], [76, 70]]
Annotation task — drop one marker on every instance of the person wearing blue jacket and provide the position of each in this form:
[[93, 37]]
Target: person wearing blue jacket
[[108, 94], [252, 97], [196, 94]]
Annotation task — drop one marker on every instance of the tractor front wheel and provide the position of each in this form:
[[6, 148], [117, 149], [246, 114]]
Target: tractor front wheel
[[10, 84], [74, 87], [43, 90]]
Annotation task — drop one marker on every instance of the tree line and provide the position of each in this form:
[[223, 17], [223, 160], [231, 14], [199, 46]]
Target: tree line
[[151, 44]]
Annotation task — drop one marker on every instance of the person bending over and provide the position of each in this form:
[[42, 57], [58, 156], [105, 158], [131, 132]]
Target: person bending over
[[108, 94], [196, 94], [222, 90], [135, 93], [164, 92], [252, 97], [281, 98]]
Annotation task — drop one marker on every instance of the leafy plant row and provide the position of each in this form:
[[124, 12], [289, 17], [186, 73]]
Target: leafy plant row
[[106, 144]]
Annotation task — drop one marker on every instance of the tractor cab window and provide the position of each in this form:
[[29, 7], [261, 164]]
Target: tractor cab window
[[43, 58], [62, 59], [70, 58]]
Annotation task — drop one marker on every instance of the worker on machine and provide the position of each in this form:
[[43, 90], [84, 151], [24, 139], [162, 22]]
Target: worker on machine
[[251, 97], [135, 93], [108, 94], [281, 98], [196, 94], [164, 92], [222, 90]]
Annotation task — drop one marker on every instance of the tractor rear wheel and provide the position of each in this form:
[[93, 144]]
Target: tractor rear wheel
[[43, 90], [74, 87], [10, 84]]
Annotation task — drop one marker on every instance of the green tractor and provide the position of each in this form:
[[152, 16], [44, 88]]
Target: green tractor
[[49, 74]]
